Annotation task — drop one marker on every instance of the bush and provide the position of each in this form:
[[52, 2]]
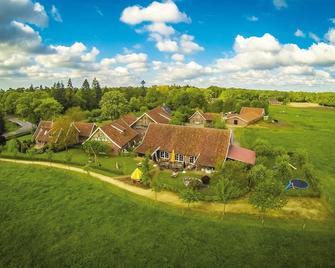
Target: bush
[[263, 148]]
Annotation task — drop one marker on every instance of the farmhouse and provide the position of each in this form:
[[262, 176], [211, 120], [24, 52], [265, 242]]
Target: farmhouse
[[247, 116], [200, 118], [191, 147], [43, 133], [158, 115], [118, 135], [85, 130]]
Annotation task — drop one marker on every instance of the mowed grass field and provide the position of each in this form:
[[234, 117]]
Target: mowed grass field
[[55, 218], [311, 129]]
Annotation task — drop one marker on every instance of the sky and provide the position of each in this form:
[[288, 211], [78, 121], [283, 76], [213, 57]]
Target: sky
[[266, 44]]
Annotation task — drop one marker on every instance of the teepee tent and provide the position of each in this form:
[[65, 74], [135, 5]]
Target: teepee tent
[[136, 175]]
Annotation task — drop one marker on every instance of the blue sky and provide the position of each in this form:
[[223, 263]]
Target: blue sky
[[229, 43]]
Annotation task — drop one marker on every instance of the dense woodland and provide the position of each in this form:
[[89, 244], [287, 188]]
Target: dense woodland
[[36, 103]]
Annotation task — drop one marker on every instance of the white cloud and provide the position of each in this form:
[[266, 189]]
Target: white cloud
[[266, 43], [55, 14], [178, 57], [314, 37], [24, 10], [299, 33], [280, 4], [331, 36], [252, 18], [166, 12], [188, 46], [167, 45], [160, 28]]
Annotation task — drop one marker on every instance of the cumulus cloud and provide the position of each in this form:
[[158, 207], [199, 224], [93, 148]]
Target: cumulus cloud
[[299, 33], [55, 14], [166, 12], [255, 61], [188, 46], [331, 36], [267, 53], [280, 4], [160, 28], [167, 45], [15, 31], [178, 57], [158, 14]]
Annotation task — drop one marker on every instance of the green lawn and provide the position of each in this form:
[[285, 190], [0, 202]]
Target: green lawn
[[54, 218], [125, 164], [311, 129]]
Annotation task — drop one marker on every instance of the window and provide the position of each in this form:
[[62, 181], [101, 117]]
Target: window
[[192, 159], [164, 154], [235, 122], [179, 157]]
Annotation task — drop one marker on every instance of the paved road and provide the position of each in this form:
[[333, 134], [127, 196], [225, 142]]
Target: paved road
[[25, 128]]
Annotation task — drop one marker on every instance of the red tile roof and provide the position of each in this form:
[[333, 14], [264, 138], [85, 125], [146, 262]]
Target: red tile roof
[[119, 132], [241, 154], [208, 144], [249, 114], [42, 133], [207, 116], [160, 115], [254, 110], [85, 129], [129, 119]]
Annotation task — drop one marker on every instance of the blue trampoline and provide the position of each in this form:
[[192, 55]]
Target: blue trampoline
[[296, 184]]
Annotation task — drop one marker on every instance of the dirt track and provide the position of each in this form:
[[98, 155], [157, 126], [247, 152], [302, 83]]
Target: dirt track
[[310, 208]]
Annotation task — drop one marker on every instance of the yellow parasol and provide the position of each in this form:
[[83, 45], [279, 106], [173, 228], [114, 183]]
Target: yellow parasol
[[136, 175], [173, 156]]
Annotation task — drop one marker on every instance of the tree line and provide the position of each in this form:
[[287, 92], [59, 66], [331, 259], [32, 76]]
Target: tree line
[[36, 103]]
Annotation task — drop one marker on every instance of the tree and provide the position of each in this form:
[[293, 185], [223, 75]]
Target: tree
[[236, 173], [225, 191], [268, 194], [95, 148], [97, 91], [2, 123], [48, 109], [113, 104], [282, 168], [219, 123], [146, 177], [84, 94], [76, 114], [189, 196], [178, 118], [63, 134], [259, 173], [142, 83]]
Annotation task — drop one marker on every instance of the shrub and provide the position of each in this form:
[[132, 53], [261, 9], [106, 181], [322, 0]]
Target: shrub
[[259, 173]]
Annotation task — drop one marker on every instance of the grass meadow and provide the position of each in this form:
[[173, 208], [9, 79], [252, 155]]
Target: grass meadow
[[311, 129], [54, 218]]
